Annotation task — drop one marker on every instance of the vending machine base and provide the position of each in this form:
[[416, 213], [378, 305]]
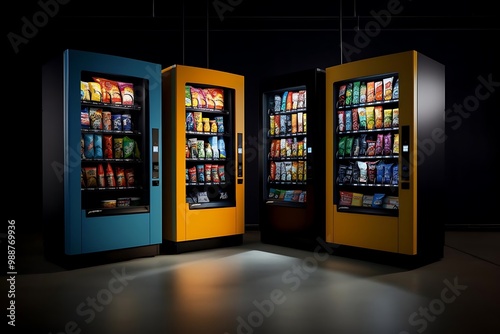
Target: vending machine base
[[172, 247]]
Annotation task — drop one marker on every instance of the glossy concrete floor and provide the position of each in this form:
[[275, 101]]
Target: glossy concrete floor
[[262, 288]]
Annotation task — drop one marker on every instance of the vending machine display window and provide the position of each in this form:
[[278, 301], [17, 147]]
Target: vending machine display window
[[367, 149]]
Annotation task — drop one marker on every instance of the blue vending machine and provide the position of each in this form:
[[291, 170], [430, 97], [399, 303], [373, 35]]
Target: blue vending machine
[[102, 194]]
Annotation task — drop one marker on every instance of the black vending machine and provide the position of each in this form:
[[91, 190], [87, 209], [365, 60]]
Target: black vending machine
[[292, 169]]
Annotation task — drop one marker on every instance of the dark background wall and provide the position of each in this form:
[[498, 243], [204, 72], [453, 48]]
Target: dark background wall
[[258, 39]]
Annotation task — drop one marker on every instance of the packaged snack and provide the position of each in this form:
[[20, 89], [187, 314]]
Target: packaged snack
[[395, 175], [277, 103], [110, 91], [84, 118], [379, 176], [198, 123], [289, 101], [387, 149], [206, 124], [277, 124], [363, 171], [294, 123], [348, 120], [106, 121], [98, 152], [101, 177], [379, 90], [362, 118], [348, 146], [387, 118], [187, 96], [357, 199], [118, 148], [388, 173], [341, 97], [355, 119], [110, 176], [130, 177], [345, 198], [108, 146], [91, 177], [387, 88], [370, 118], [219, 120], [302, 99], [283, 101], [128, 147], [200, 172], [116, 120], [209, 98], [370, 91], [95, 116], [84, 91], [198, 98], [370, 147], [355, 92], [88, 141], [395, 90], [362, 145], [127, 122], [362, 92], [192, 174], [341, 147], [121, 181], [304, 122], [127, 92], [283, 121], [200, 148], [371, 171], [203, 197], [300, 170], [271, 125], [379, 117], [289, 144], [215, 148], [355, 147], [395, 145], [208, 151], [95, 91], [218, 97], [378, 200], [208, 173], [222, 173], [221, 145], [379, 144], [190, 121], [300, 127], [215, 174], [348, 94], [367, 200], [295, 100], [213, 125], [288, 169], [395, 117]]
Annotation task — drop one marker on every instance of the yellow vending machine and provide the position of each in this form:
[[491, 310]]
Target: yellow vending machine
[[385, 145], [203, 138]]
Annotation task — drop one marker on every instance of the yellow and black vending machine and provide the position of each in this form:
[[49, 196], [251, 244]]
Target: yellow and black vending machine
[[203, 122], [385, 147]]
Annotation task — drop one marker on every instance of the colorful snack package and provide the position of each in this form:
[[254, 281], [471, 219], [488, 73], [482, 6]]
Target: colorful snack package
[[190, 121], [106, 121], [130, 177], [208, 151], [208, 173], [363, 171], [222, 173], [370, 91], [116, 121], [121, 181], [348, 120], [345, 198], [295, 100], [341, 96], [88, 140], [379, 176], [209, 98], [110, 176], [95, 116], [372, 171], [91, 177], [348, 174], [289, 101], [110, 91], [215, 148], [379, 117], [192, 174], [370, 118], [206, 124], [387, 150], [84, 91], [388, 173], [300, 125], [187, 96], [283, 121], [288, 168], [362, 92], [289, 123], [128, 147], [101, 176], [378, 200], [198, 121], [395, 145], [379, 90], [387, 118], [367, 200], [395, 175], [295, 166], [300, 148], [395, 90], [84, 118], [300, 171], [355, 92], [362, 145], [341, 174], [277, 124], [108, 146], [341, 147], [348, 146], [294, 123], [355, 147], [203, 197], [271, 125], [98, 152], [198, 98], [355, 172], [219, 120], [215, 174], [200, 172], [355, 119], [302, 99], [283, 101], [95, 91], [221, 145], [200, 148], [303, 196], [348, 94], [272, 171], [395, 117], [362, 118], [288, 144], [277, 103], [213, 125], [127, 92], [341, 120], [370, 147], [387, 82], [357, 199], [118, 148], [218, 97], [379, 144], [127, 122]]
